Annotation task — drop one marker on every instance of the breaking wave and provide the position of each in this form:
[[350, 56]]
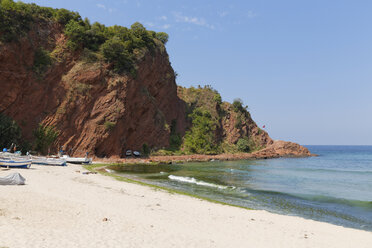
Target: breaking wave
[[198, 182]]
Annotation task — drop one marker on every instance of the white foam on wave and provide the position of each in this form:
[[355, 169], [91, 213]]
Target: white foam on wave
[[198, 182]]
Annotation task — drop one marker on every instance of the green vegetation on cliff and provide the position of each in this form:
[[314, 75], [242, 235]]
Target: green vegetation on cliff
[[208, 118], [17, 18], [201, 137], [45, 136], [42, 60], [204, 112], [10, 132], [118, 45]]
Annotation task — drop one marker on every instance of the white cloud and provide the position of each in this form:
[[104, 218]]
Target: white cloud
[[223, 13], [166, 26], [150, 24], [164, 18], [193, 20], [250, 14], [99, 5]]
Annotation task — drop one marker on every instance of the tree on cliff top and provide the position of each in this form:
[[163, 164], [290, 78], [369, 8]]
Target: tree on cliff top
[[114, 52], [16, 19], [163, 37]]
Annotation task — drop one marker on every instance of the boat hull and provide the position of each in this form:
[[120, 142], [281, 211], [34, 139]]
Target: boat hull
[[79, 162], [49, 161], [15, 164], [72, 160]]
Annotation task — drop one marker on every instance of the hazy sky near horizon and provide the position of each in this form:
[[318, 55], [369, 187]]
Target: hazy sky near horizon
[[304, 68]]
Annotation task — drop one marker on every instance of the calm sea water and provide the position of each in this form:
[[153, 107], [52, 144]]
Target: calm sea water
[[334, 187]]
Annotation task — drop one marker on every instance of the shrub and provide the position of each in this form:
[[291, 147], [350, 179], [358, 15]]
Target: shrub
[[64, 16], [243, 145], [76, 33], [201, 139], [163, 37], [14, 20], [10, 132], [238, 105], [109, 125], [114, 52], [145, 149], [175, 142], [217, 98], [42, 60], [95, 35], [89, 56], [247, 145], [45, 136], [138, 29], [175, 139]]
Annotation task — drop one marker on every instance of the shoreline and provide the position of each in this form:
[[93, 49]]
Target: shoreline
[[100, 168], [279, 149], [107, 170], [62, 207], [194, 158]]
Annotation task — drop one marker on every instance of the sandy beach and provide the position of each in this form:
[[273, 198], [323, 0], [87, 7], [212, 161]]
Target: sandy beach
[[60, 207]]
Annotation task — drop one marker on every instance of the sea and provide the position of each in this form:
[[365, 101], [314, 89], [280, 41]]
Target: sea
[[334, 187]]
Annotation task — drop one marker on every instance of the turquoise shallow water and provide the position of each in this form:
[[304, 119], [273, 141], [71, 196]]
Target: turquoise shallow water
[[334, 187]]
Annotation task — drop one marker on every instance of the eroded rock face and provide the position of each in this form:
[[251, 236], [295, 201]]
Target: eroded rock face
[[247, 128], [95, 110]]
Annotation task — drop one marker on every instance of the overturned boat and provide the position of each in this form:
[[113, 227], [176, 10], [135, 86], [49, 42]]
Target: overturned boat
[[12, 179]]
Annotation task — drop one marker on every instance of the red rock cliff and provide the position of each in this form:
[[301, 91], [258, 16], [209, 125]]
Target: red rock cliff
[[95, 110], [101, 112]]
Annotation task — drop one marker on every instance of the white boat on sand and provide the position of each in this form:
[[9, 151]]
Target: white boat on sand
[[73, 160], [15, 163], [49, 161]]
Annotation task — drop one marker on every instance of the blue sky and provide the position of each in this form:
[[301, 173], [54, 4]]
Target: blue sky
[[304, 68]]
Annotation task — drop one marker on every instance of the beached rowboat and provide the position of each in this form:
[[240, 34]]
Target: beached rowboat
[[72, 160], [10, 163], [49, 161]]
